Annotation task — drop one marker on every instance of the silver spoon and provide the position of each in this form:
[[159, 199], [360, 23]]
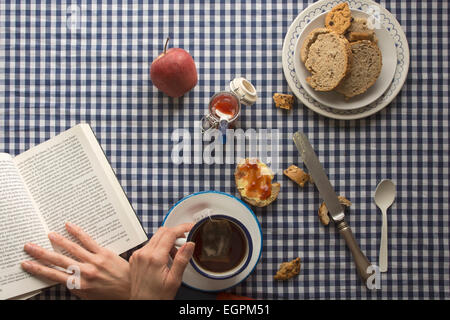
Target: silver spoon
[[384, 197], [223, 124]]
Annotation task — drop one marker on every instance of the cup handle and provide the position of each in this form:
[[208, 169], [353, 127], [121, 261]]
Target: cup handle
[[180, 242]]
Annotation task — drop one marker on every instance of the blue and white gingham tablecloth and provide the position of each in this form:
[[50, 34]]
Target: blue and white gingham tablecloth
[[66, 62]]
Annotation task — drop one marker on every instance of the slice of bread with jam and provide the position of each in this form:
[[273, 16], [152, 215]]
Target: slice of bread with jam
[[254, 183]]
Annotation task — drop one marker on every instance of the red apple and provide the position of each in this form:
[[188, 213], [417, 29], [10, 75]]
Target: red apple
[[173, 72]]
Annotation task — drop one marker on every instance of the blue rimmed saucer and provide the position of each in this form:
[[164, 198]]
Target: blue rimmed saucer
[[220, 203]]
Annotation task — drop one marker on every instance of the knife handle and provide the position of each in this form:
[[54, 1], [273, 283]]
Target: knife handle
[[361, 261]]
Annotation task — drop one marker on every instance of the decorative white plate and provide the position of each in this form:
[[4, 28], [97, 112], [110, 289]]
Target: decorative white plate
[[221, 203], [389, 23], [333, 99]]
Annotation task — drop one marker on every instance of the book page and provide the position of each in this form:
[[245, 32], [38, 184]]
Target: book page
[[69, 183], [19, 223]]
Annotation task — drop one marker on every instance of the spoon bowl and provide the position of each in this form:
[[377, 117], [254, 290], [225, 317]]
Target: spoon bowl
[[385, 194], [384, 197]]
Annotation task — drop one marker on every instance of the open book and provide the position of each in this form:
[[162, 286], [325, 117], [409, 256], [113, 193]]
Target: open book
[[65, 179]]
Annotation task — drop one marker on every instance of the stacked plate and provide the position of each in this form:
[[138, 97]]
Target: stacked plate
[[393, 46]]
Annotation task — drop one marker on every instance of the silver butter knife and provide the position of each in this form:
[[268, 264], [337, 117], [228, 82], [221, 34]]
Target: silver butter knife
[[331, 200]]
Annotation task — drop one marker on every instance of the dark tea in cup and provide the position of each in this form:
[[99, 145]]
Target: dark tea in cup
[[220, 244]]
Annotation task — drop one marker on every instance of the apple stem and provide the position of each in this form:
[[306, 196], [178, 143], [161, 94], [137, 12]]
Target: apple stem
[[165, 46]]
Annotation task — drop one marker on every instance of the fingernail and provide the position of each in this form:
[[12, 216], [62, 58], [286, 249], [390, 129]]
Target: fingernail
[[29, 247], [26, 265], [69, 225], [53, 236], [189, 249]]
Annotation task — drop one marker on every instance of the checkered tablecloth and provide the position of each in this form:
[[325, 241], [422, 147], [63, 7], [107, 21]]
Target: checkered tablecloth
[[65, 62]]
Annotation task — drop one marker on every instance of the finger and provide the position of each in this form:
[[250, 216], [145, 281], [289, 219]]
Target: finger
[[73, 248], [48, 256], [163, 233], [155, 238], [169, 237], [173, 233], [45, 272], [173, 252], [83, 237], [180, 262], [148, 251], [181, 229]]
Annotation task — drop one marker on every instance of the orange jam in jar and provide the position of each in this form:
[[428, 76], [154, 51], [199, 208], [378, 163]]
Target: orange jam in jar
[[225, 104]]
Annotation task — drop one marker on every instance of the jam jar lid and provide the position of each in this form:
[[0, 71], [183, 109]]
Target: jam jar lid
[[245, 91]]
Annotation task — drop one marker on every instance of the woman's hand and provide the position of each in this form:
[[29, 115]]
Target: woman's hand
[[151, 277], [103, 274]]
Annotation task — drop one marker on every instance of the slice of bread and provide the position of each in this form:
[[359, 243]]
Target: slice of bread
[[358, 25], [365, 69], [339, 18], [359, 30], [276, 187], [328, 59], [254, 183], [312, 37], [356, 36]]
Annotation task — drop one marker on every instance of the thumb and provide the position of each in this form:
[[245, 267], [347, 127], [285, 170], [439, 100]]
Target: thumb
[[181, 260]]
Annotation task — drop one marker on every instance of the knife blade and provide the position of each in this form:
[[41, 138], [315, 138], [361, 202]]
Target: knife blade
[[319, 176], [331, 200]]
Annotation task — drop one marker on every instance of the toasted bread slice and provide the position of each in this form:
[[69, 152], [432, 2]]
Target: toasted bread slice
[[254, 183], [263, 203], [312, 37], [357, 36], [328, 60], [358, 25], [359, 30], [365, 69]]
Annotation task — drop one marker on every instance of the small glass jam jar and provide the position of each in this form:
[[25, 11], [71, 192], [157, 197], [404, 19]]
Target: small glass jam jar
[[224, 107]]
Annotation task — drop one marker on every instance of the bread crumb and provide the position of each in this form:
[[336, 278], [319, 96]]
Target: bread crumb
[[288, 270], [323, 210], [298, 175], [283, 101]]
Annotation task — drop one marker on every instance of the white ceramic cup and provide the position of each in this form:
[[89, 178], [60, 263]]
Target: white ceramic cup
[[228, 273]]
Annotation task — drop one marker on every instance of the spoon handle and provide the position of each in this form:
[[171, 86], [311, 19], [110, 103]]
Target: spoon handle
[[223, 125], [384, 244]]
